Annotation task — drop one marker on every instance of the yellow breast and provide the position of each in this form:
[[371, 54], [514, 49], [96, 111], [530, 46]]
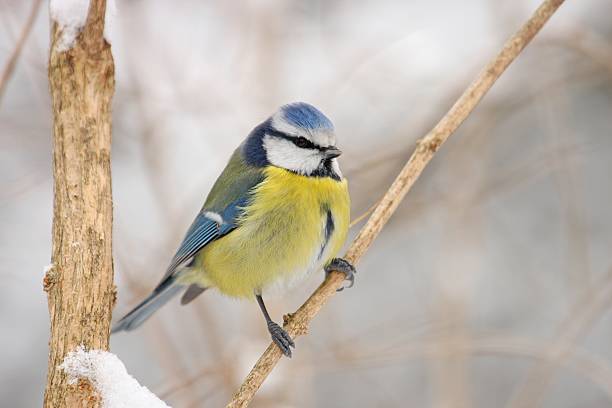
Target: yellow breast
[[281, 236]]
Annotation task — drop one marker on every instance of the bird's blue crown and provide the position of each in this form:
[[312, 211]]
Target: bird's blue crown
[[299, 114], [306, 116]]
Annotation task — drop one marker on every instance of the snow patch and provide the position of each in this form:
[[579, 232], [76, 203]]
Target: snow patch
[[109, 377], [71, 16]]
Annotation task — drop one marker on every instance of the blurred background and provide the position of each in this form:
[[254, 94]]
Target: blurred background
[[490, 287]]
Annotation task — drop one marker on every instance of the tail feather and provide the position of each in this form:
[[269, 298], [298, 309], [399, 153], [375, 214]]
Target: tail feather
[[192, 292], [160, 296]]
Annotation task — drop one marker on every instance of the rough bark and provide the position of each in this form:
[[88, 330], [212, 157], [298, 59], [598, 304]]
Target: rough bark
[[79, 283]]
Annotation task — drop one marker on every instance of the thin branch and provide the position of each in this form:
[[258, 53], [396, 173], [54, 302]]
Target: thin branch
[[592, 367], [12, 61], [589, 309], [364, 215], [296, 324], [591, 45]]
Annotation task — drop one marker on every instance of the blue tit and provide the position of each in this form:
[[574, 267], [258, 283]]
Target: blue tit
[[279, 211]]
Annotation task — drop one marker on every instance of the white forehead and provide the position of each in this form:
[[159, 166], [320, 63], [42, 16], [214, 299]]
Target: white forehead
[[321, 137]]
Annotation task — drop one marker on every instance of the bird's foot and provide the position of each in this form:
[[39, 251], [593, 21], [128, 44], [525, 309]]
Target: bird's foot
[[281, 338], [344, 266]]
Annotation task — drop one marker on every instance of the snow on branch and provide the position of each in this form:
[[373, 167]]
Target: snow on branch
[[71, 16], [107, 374]]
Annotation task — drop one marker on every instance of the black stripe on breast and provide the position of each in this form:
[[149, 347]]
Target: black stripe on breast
[[329, 229]]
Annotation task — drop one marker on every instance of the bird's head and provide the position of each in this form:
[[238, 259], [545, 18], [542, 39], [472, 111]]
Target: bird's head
[[299, 138]]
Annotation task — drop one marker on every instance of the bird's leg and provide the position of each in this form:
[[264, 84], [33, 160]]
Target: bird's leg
[[344, 266], [279, 335]]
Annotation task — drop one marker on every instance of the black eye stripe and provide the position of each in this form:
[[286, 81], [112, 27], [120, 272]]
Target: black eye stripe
[[301, 142]]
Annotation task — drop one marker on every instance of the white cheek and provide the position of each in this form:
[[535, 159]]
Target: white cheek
[[283, 153]]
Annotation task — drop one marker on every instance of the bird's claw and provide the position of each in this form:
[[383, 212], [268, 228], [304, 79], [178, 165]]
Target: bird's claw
[[344, 266], [281, 338]]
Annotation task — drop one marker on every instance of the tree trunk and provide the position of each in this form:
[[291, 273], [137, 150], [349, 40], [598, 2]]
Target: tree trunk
[[79, 283]]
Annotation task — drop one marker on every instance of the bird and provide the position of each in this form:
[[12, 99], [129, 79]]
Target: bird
[[278, 212]]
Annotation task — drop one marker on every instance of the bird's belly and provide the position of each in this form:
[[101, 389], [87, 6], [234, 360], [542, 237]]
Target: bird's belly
[[262, 258], [281, 238]]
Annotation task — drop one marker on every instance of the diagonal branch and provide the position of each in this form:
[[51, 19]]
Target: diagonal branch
[[12, 61], [297, 323]]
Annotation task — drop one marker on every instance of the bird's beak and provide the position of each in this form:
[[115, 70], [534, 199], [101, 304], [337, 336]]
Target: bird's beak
[[332, 152]]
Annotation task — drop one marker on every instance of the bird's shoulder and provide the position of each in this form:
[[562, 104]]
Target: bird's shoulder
[[235, 183], [230, 193]]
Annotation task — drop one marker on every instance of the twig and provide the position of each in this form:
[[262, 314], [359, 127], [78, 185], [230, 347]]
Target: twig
[[296, 324], [590, 366], [591, 307], [364, 215], [587, 42], [12, 61]]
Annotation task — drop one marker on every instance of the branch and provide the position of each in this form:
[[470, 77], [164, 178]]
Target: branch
[[12, 61], [590, 308], [296, 324], [79, 282]]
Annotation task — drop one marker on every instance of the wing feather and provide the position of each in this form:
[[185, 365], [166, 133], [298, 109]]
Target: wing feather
[[202, 231], [230, 194]]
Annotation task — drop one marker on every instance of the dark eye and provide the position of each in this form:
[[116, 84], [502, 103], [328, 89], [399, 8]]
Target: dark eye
[[302, 142]]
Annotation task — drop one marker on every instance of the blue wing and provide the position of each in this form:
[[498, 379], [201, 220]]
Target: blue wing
[[230, 194], [224, 205], [203, 231]]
